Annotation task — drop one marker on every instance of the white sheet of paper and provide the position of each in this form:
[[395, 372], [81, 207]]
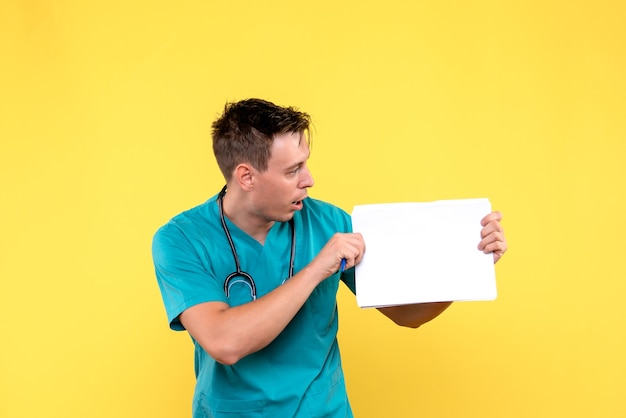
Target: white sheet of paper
[[423, 252]]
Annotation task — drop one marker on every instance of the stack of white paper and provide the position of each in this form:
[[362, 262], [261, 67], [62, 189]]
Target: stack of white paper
[[423, 252]]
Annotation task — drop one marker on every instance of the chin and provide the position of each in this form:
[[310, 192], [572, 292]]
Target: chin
[[289, 217], [285, 217]]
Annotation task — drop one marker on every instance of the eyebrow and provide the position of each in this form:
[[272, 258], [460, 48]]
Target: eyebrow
[[294, 166], [299, 163]]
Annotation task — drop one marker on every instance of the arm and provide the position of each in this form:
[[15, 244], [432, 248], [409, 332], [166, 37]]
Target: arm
[[413, 316], [228, 334]]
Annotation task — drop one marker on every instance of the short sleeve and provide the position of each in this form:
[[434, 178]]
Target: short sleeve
[[184, 280]]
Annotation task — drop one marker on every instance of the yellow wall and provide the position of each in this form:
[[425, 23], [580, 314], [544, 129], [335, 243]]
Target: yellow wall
[[105, 109]]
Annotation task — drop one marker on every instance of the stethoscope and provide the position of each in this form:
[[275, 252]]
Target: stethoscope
[[240, 276]]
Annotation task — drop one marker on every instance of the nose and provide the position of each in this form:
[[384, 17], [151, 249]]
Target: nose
[[307, 178]]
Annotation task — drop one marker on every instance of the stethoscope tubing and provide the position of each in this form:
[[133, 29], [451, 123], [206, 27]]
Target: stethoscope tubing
[[245, 277]]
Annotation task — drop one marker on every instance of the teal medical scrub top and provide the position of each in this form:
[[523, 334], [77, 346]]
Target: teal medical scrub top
[[299, 374]]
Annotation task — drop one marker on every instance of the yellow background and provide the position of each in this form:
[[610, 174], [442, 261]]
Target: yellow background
[[105, 112]]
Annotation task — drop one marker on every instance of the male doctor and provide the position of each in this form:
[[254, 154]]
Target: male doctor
[[252, 274]]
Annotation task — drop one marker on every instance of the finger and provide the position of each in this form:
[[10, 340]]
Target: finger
[[498, 247], [490, 228], [359, 257], [354, 243], [495, 236], [493, 216], [353, 255], [353, 252]]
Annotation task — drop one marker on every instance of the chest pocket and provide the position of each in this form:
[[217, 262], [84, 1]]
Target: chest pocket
[[226, 408]]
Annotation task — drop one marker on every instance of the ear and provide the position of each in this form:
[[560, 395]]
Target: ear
[[244, 176]]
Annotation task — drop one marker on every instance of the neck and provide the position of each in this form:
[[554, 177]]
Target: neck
[[236, 209]]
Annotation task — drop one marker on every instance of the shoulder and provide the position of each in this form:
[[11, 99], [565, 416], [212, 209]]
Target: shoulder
[[317, 206], [184, 226], [324, 213]]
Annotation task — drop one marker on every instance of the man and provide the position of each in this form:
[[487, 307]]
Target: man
[[252, 274]]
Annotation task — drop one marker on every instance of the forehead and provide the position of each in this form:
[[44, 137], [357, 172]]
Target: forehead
[[289, 148]]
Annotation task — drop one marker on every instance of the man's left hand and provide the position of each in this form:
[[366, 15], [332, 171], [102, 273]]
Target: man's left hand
[[492, 234]]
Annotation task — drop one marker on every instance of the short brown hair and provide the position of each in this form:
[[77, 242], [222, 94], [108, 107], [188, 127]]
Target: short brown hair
[[246, 130]]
